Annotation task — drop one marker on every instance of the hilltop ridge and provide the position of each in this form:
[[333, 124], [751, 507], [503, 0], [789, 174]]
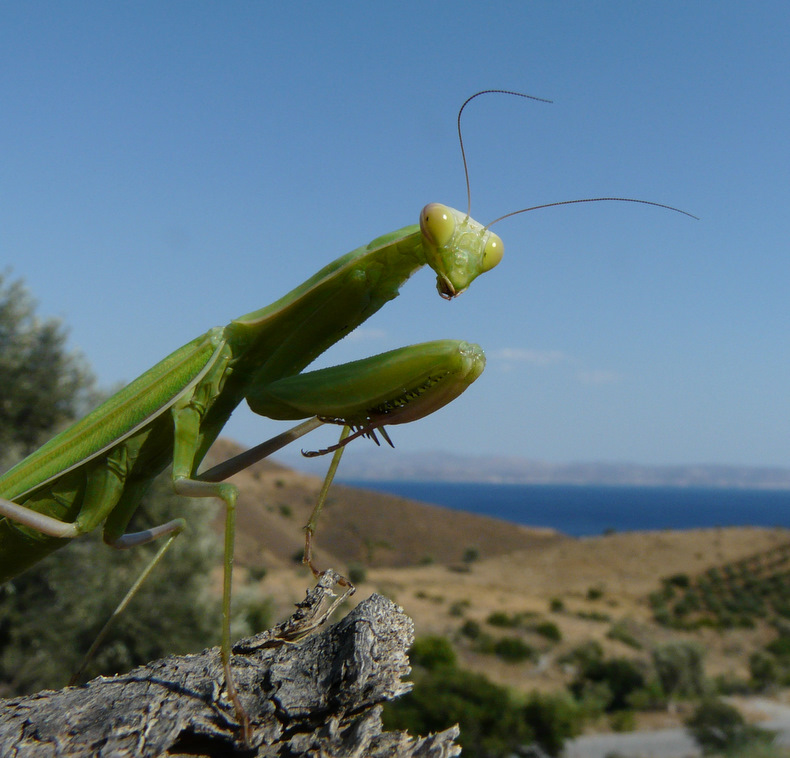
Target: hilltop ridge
[[446, 467]]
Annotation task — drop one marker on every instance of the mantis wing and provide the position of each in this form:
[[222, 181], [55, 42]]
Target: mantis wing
[[119, 417]]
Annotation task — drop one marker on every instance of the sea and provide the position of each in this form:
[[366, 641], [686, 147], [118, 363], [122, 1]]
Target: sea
[[582, 510]]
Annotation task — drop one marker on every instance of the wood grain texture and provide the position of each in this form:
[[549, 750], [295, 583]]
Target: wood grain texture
[[320, 696]]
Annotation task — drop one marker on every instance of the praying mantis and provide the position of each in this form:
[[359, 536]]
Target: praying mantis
[[96, 472]]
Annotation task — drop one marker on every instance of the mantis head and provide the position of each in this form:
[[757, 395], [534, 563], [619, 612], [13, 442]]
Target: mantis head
[[457, 248]]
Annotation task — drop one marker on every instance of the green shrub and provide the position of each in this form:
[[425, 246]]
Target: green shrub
[[593, 616], [765, 669], [458, 608], [662, 596], [513, 650], [679, 580], [717, 726], [357, 573], [553, 719], [584, 654], [594, 593], [620, 631], [471, 554], [780, 647], [594, 698], [484, 643], [556, 605], [651, 697], [731, 684], [662, 616], [501, 619], [492, 724], [256, 573], [255, 612], [736, 595], [549, 630], [621, 676], [432, 652], [471, 629]]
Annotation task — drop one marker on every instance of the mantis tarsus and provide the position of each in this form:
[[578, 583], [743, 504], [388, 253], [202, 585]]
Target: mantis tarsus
[[95, 472]]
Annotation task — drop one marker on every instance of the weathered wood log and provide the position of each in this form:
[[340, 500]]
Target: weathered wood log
[[320, 696]]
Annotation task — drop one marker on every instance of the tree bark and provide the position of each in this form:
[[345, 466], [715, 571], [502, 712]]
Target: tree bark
[[320, 696]]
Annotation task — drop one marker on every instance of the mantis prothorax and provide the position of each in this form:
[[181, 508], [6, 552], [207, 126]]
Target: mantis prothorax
[[95, 472]]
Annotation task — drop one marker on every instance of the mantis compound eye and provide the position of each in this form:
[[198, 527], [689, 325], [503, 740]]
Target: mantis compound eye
[[493, 251], [437, 222]]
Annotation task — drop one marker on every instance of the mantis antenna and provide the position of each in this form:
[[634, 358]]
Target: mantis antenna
[[592, 200], [461, 139], [544, 205]]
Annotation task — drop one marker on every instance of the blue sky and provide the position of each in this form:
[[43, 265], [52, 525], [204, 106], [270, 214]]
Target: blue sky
[[168, 166]]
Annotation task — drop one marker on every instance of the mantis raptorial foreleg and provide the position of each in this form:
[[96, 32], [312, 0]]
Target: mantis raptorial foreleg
[[244, 460]]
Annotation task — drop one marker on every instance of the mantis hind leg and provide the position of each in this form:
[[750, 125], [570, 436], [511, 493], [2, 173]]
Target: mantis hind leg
[[228, 494], [48, 525], [310, 527], [187, 431]]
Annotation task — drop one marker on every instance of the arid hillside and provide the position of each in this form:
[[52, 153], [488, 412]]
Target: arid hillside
[[468, 577]]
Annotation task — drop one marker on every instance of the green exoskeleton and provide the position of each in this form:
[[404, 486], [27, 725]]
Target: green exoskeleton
[[95, 472]]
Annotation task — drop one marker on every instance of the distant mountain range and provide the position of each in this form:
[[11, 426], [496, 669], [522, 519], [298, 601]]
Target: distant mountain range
[[378, 466]]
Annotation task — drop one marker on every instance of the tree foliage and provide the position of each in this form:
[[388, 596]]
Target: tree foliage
[[679, 667], [44, 385]]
